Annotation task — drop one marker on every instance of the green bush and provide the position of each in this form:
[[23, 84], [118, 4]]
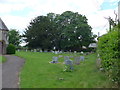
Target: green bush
[[11, 49], [108, 49]]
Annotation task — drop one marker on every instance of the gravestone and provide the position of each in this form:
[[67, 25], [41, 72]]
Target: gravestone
[[54, 60], [75, 51], [66, 58], [60, 56], [35, 50], [71, 56], [77, 60], [98, 55], [69, 65], [18, 50], [81, 58], [81, 52], [26, 50], [45, 51], [56, 52], [40, 50], [98, 62]]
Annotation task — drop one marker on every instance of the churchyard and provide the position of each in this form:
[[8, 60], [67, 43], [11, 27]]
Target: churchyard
[[61, 70]]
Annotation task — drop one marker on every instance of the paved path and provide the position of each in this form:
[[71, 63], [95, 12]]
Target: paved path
[[10, 71]]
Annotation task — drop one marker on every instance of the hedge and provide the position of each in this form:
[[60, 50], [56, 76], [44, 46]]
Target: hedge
[[108, 49], [11, 49]]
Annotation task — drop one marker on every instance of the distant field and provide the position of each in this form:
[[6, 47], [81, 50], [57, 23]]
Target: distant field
[[39, 73], [2, 59]]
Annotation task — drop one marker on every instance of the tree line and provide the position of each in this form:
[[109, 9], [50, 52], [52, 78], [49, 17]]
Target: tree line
[[66, 31]]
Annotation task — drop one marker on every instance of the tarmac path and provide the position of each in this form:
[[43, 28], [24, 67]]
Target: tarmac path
[[10, 71]]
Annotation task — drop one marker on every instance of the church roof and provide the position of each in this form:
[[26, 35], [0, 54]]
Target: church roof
[[2, 25]]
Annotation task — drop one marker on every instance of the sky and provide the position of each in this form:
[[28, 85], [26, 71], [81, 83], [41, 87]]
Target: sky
[[17, 14]]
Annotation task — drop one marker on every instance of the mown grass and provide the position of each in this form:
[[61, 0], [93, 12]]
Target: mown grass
[[2, 59], [39, 73]]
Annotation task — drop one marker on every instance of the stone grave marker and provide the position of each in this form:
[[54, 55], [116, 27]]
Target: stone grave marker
[[26, 50], [98, 62], [18, 50], [56, 52], [68, 63], [77, 60], [35, 50], [54, 60], [66, 58], [75, 51], [82, 58], [60, 56]]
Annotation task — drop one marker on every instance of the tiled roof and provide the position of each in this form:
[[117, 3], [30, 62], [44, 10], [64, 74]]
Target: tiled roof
[[2, 25]]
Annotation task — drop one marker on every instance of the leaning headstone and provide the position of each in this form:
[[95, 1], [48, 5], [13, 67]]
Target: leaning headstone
[[82, 58], [54, 60], [77, 60]]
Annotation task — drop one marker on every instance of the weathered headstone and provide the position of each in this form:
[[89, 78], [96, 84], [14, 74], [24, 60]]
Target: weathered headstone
[[54, 60], [69, 65], [45, 51], [98, 62], [56, 52], [75, 51], [18, 50], [82, 58], [60, 56], [77, 60], [35, 50], [66, 58], [26, 50], [81, 52], [40, 50]]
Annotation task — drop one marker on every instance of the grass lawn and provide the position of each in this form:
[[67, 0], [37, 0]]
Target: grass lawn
[[39, 73], [2, 59]]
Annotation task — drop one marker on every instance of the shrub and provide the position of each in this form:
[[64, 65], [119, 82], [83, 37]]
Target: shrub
[[11, 49], [108, 49]]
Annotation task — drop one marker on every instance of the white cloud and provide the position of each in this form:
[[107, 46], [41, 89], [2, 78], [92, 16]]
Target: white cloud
[[90, 8]]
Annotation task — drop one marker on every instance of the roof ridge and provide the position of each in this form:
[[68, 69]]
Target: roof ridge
[[2, 25]]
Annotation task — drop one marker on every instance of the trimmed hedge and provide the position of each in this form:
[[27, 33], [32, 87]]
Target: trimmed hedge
[[11, 49], [108, 49]]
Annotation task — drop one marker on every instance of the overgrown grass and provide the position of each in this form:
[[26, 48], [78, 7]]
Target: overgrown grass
[[39, 73], [2, 59]]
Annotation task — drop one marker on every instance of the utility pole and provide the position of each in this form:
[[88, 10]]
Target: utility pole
[[110, 22]]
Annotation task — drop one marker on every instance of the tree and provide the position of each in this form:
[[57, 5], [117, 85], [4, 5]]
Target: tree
[[14, 37], [66, 31], [74, 31], [39, 33]]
